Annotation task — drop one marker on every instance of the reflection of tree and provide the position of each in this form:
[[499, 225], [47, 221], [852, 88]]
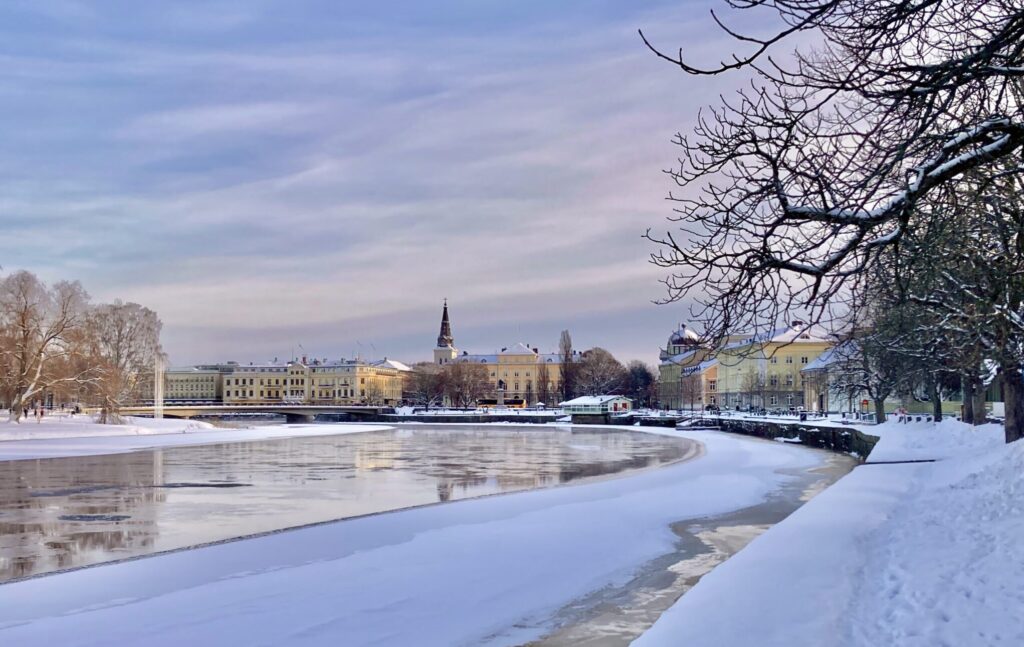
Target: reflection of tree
[[111, 486], [444, 490]]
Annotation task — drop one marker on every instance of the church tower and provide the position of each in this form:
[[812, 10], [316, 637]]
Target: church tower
[[445, 351]]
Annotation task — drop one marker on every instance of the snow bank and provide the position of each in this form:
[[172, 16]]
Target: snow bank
[[898, 554], [454, 574], [86, 438], [926, 440], [65, 426]]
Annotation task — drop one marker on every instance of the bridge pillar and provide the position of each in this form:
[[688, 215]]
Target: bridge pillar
[[299, 418]]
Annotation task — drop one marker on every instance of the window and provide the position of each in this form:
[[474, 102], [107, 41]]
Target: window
[[714, 400], [773, 380], [790, 399], [773, 400], [789, 359], [803, 360], [789, 380], [774, 360], [712, 386]]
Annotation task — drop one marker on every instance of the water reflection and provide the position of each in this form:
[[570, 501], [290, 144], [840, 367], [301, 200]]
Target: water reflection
[[66, 512]]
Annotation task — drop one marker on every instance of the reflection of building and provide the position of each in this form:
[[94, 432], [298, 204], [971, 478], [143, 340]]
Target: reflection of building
[[515, 372]]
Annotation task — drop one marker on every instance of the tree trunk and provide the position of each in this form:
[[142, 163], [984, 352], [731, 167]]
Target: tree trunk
[[1013, 391], [880, 411], [980, 415], [933, 395], [967, 388]]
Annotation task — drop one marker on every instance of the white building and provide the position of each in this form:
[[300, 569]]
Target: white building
[[597, 404]]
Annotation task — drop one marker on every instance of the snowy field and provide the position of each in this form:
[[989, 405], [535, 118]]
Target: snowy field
[[81, 436], [918, 554], [482, 571]]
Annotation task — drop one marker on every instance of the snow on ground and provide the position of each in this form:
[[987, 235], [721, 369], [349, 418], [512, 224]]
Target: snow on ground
[[926, 440], [82, 425], [913, 554], [81, 436], [453, 574]]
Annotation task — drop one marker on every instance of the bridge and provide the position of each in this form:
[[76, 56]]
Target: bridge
[[293, 413]]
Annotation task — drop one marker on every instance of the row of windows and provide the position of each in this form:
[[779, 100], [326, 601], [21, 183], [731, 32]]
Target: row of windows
[[789, 359]]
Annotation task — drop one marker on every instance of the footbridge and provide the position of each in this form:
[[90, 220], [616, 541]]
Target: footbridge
[[292, 412]]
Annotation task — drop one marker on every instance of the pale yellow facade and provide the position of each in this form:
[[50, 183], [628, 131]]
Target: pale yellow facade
[[192, 385], [520, 372], [765, 372], [341, 383]]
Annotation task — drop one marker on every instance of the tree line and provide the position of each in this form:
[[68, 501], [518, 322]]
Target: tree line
[[57, 347]]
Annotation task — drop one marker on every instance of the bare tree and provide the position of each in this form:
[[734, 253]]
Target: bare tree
[[568, 366], [544, 383], [755, 386], [123, 345], [805, 179], [426, 385], [465, 383], [38, 322], [599, 373], [690, 390]]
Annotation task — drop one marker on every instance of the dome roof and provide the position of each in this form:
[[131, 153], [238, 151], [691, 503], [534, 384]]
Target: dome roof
[[684, 336]]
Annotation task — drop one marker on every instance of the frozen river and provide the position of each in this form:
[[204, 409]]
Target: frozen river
[[63, 513]]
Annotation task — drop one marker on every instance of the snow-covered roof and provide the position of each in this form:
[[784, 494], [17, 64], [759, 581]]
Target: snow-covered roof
[[683, 335], [824, 360], [786, 335], [832, 356], [672, 360], [697, 369], [476, 359], [591, 400], [190, 369], [517, 349], [395, 364]]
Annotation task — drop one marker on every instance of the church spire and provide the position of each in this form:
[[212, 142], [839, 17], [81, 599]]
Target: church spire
[[445, 339]]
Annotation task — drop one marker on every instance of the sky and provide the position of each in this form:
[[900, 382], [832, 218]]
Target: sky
[[278, 178]]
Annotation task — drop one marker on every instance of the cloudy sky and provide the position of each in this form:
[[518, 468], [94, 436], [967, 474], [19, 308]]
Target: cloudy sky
[[267, 174]]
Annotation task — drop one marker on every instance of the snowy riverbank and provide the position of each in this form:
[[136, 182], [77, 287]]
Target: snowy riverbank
[[914, 554], [82, 436]]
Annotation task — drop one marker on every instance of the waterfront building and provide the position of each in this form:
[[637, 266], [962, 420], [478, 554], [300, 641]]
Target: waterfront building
[[341, 382], [516, 372], [597, 404], [764, 371], [259, 384], [684, 376], [191, 384]]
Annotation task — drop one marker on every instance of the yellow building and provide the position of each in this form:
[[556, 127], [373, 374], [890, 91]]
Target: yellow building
[[258, 384], [517, 372], [683, 377], [192, 384], [342, 382], [764, 371]]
